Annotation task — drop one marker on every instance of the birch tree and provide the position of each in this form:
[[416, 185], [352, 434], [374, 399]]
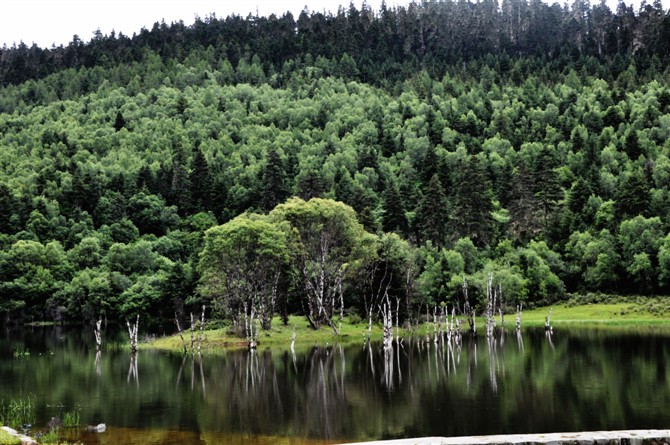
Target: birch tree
[[241, 264], [328, 238]]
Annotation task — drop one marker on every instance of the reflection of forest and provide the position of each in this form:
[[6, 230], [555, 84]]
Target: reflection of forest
[[581, 380]]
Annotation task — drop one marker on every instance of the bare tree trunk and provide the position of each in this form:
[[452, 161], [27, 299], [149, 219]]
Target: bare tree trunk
[[98, 335], [387, 317], [339, 290], [249, 321], [547, 320], [202, 328], [181, 334], [469, 311], [192, 332], [132, 333], [490, 304]]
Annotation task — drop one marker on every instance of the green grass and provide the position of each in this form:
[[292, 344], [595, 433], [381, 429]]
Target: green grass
[[625, 312], [635, 312], [279, 337]]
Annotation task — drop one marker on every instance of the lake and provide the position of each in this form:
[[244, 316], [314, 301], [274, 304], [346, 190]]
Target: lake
[[574, 380]]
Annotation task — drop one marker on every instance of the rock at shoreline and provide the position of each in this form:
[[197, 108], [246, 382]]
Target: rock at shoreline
[[25, 440], [99, 428]]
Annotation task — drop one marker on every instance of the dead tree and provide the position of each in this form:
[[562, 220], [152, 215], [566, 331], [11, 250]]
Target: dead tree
[[490, 307], [387, 317], [469, 311], [501, 306], [397, 325], [98, 334], [519, 313], [202, 328], [249, 325], [547, 320], [180, 330], [132, 333]]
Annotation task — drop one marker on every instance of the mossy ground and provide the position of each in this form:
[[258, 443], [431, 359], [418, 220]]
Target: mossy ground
[[8, 439]]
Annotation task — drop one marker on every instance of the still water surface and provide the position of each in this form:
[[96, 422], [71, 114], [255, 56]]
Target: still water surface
[[575, 380]]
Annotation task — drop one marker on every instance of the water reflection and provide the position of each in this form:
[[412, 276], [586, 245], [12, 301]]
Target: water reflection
[[543, 381], [132, 369], [192, 359]]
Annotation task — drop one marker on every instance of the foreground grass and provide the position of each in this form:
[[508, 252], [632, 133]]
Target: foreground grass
[[654, 312]]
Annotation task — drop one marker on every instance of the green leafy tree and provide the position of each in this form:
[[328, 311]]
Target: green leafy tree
[[241, 264], [640, 239], [328, 237], [87, 296]]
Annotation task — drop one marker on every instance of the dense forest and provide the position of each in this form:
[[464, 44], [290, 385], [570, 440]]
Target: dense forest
[[318, 166]]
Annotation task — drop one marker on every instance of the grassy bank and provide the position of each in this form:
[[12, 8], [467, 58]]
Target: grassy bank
[[279, 337], [601, 309], [578, 312]]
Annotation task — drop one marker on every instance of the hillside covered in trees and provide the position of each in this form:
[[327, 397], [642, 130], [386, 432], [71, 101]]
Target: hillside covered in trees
[[284, 164]]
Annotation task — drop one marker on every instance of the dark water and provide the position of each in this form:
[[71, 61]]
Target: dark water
[[576, 380]]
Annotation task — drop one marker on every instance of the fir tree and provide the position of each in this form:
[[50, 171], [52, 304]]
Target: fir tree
[[472, 204], [432, 213], [273, 181]]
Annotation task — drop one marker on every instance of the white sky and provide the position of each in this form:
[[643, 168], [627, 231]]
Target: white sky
[[48, 22]]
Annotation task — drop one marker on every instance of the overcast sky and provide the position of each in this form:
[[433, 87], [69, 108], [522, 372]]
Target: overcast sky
[[48, 22]]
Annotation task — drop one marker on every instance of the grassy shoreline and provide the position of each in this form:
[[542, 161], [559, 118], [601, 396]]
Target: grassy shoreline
[[620, 315]]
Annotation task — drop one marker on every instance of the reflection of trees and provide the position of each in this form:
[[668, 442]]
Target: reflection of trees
[[356, 394], [132, 369], [265, 394], [193, 358]]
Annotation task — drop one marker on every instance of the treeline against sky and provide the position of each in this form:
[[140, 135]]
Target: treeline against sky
[[551, 173], [386, 46]]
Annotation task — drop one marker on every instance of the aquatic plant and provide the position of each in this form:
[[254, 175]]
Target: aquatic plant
[[18, 413], [21, 352], [71, 418]]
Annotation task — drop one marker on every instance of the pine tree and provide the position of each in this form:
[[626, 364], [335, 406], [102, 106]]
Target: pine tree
[[472, 204], [546, 183], [200, 180], [393, 219], [524, 208], [432, 213], [180, 190], [119, 122], [633, 196], [274, 190], [310, 185], [7, 209]]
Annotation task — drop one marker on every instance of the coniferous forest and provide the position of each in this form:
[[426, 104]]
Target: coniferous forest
[[322, 163]]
